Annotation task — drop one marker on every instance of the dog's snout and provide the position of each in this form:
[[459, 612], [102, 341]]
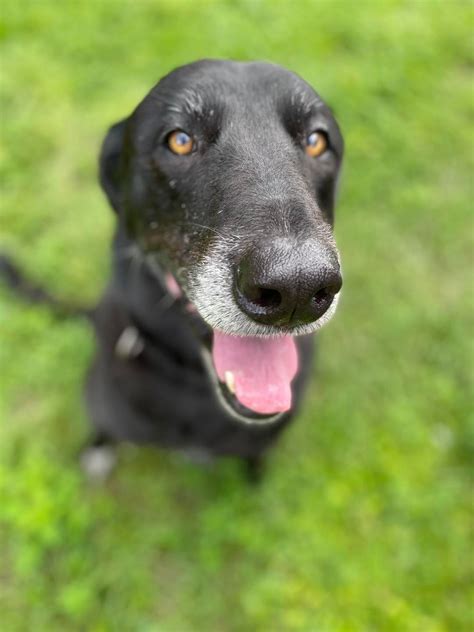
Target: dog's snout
[[283, 284]]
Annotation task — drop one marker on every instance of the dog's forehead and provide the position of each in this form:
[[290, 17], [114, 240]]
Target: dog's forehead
[[209, 83]]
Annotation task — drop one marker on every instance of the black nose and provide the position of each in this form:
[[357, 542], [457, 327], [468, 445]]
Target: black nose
[[287, 284]]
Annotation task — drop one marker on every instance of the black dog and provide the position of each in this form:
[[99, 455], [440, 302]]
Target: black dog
[[223, 181]]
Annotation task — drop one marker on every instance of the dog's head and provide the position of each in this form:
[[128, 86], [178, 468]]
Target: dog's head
[[225, 174]]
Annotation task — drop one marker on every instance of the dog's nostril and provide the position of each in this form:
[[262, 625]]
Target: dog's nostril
[[261, 297], [323, 295], [266, 297]]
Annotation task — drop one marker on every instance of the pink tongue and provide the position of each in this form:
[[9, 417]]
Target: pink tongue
[[262, 367]]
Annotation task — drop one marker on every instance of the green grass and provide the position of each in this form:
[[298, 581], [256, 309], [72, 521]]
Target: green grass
[[362, 522]]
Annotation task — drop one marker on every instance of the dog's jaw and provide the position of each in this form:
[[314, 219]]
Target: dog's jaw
[[206, 293], [209, 288]]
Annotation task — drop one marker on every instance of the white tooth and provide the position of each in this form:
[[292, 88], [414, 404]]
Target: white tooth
[[230, 381]]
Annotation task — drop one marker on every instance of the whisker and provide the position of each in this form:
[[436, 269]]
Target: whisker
[[214, 230], [129, 252]]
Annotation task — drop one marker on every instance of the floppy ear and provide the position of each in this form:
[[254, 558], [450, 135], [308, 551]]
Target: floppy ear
[[111, 164]]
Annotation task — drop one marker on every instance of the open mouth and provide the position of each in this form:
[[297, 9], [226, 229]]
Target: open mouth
[[251, 375]]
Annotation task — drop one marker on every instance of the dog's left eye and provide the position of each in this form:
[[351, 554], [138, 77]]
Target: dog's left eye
[[180, 143], [316, 144]]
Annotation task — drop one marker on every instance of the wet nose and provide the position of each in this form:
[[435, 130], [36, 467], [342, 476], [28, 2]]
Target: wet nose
[[287, 284]]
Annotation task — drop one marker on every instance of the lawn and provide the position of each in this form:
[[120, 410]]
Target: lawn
[[362, 522]]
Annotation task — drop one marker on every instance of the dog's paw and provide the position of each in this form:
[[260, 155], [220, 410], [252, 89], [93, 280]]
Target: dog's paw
[[98, 462]]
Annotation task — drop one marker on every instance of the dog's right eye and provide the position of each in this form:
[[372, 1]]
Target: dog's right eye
[[180, 143]]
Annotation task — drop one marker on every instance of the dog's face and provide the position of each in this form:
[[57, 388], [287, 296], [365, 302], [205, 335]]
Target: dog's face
[[225, 174]]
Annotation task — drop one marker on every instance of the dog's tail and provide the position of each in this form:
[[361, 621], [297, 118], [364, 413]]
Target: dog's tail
[[12, 276]]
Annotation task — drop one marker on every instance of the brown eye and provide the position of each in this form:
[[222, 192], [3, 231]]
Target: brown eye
[[180, 143], [316, 144]]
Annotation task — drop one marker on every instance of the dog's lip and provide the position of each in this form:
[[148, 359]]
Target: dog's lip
[[249, 415]]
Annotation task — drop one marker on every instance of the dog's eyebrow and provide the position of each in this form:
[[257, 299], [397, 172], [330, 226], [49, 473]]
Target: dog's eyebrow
[[303, 101], [187, 102]]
